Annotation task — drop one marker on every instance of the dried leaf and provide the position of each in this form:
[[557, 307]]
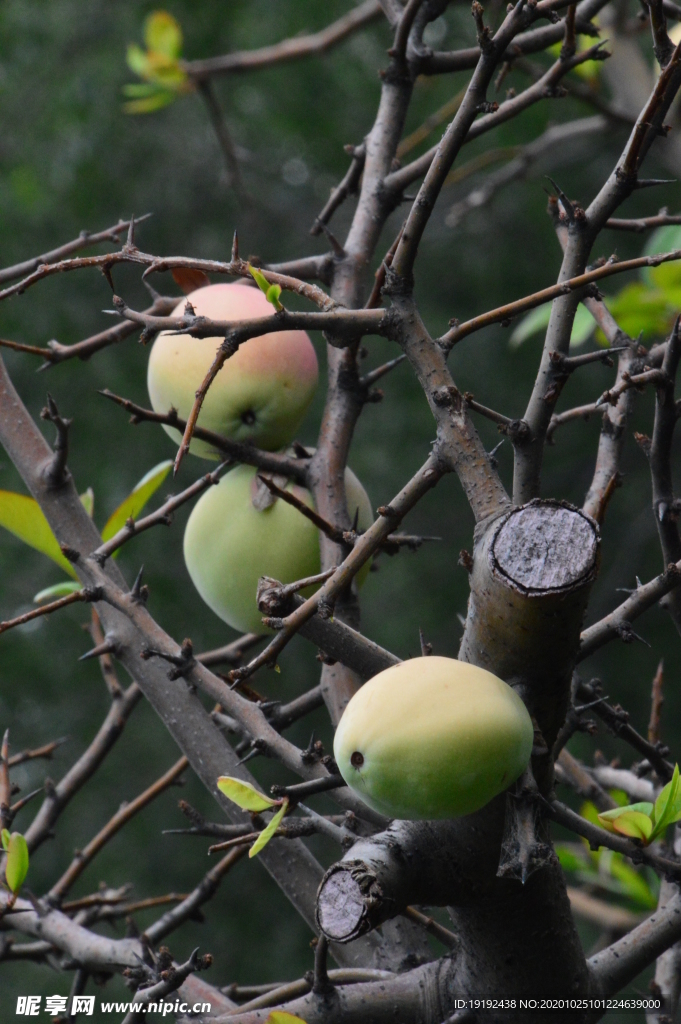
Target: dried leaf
[[189, 280]]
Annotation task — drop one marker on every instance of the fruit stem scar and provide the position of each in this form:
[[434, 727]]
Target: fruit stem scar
[[356, 759]]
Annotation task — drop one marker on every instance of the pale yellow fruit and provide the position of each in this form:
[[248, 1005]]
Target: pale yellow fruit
[[432, 738], [261, 393], [229, 544]]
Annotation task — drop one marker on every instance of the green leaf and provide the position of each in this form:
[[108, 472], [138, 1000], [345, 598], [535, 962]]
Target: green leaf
[[272, 295], [23, 517], [569, 858], [632, 884], [161, 98], [137, 499], [282, 1017], [62, 589], [138, 90], [260, 279], [16, 867], [668, 804], [137, 60], [244, 795], [5, 839], [163, 34], [633, 821], [640, 309], [267, 833], [538, 320]]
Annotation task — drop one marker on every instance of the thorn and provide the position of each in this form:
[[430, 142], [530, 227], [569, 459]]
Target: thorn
[[235, 246], [107, 647], [567, 205], [130, 242], [651, 182], [249, 756], [426, 648], [138, 592]]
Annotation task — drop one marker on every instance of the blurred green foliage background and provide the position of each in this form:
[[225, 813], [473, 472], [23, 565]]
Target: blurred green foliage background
[[71, 159]]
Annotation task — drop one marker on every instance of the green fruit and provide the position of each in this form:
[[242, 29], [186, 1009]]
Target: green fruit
[[432, 738], [261, 393], [229, 544]]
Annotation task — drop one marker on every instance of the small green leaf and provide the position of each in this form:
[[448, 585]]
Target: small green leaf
[[267, 833], [272, 295], [16, 867], [163, 34], [260, 279], [137, 499], [62, 589], [282, 1017], [137, 60], [138, 90], [666, 799], [244, 795], [161, 98], [5, 839], [633, 821], [23, 517]]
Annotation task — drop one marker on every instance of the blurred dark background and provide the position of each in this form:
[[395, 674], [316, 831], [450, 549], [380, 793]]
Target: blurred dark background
[[71, 159]]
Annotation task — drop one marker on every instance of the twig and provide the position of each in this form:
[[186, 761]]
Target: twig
[[389, 517], [640, 224], [203, 892], [598, 836], [347, 186], [514, 309], [617, 720], [45, 751], [87, 594], [84, 240], [656, 702], [447, 938], [217, 120], [615, 624], [174, 977], [162, 515], [239, 451], [288, 49], [230, 654], [5, 784], [128, 811]]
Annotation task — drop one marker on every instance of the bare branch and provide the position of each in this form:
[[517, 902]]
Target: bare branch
[[162, 515], [85, 240], [128, 811], [239, 451], [88, 594], [573, 284], [288, 49], [616, 623]]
